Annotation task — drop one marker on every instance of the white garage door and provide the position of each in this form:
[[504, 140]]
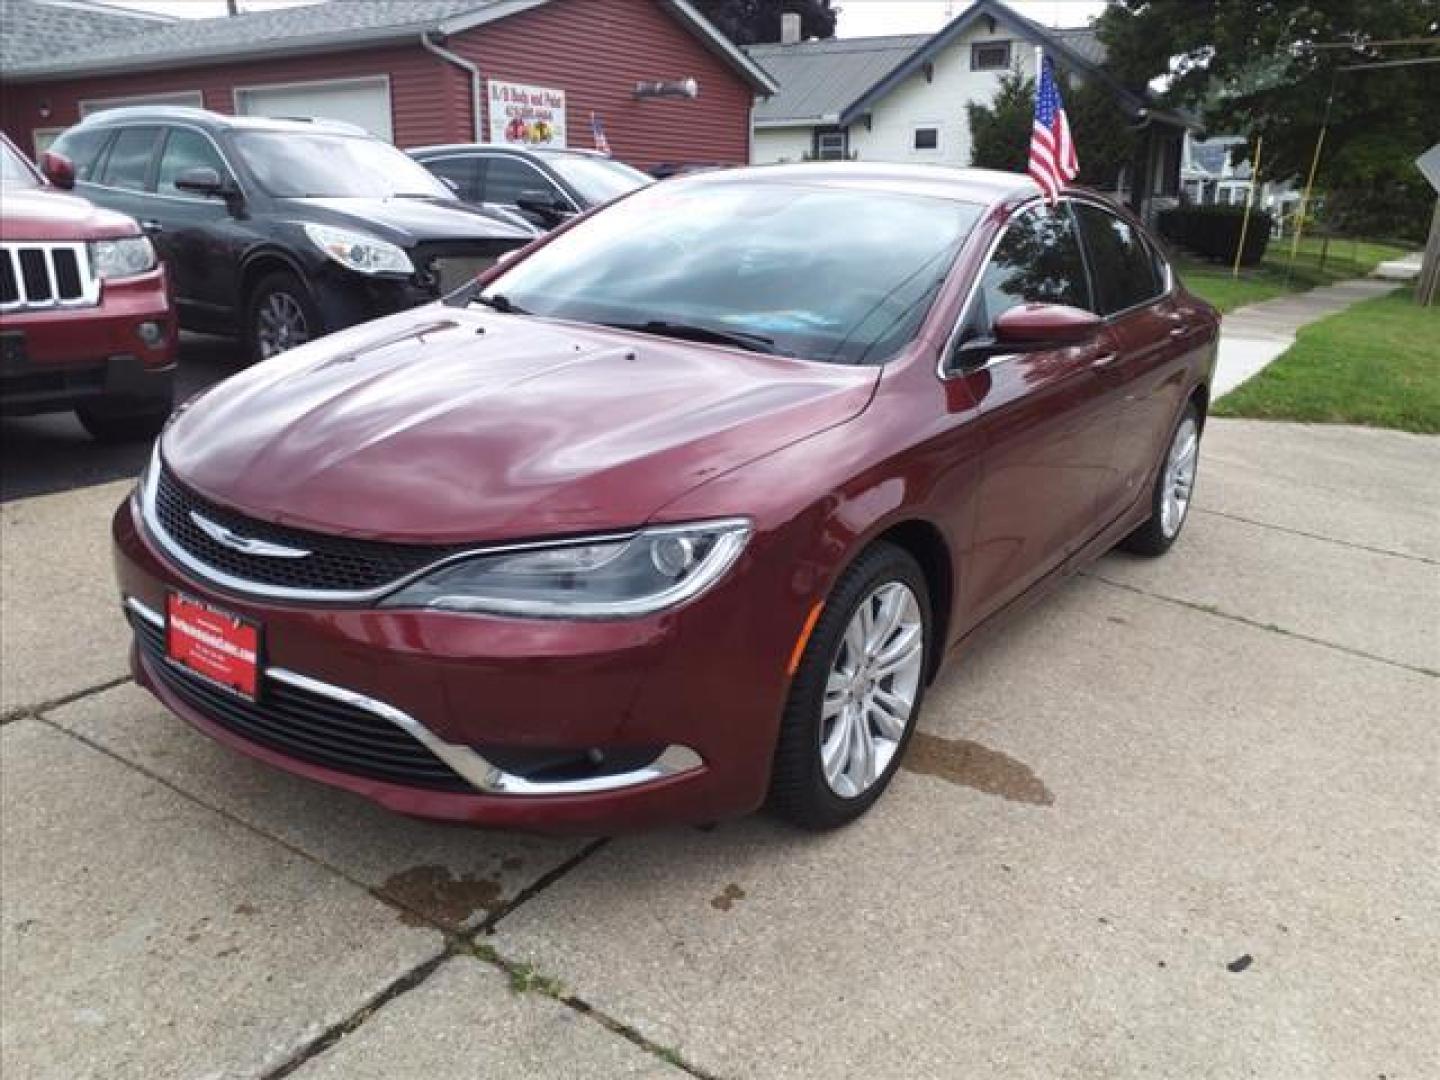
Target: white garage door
[[365, 102]]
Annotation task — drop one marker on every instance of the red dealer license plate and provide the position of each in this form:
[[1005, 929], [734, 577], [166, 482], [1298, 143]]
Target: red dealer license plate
[[222, 647]]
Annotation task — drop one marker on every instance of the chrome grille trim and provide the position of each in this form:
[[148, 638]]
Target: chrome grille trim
[[486, 777], [16, 293]]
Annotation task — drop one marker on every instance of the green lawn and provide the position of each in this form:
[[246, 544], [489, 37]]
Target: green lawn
[[1376, 363], [1275, 277]]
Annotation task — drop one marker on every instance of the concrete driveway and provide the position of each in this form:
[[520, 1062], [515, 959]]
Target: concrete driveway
[[1183, 819]]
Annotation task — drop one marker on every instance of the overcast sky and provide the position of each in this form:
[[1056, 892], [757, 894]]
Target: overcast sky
[[858, 18]]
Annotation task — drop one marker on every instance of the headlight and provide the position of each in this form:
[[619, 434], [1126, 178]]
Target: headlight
[[604, 578], [126, 257], [359, 252]]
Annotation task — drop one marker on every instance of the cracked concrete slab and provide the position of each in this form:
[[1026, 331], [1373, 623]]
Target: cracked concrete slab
[[1215, 792], [465, 1023], [1356, 599], [453, 876], [145, 936], [60, 629], [1355, 485]]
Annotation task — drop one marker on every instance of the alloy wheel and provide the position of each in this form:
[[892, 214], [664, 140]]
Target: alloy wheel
[[871, 689], [1179, 480], [280, 325]]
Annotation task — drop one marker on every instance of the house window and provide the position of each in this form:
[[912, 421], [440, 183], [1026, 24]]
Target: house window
[[990, 56], [832, 144], [927, 137]]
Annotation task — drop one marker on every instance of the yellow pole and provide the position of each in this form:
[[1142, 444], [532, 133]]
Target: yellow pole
[[1249, 201]]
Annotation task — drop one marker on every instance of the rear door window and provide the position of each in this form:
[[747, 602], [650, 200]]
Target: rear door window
[[128, 165], [186, 149], [1037, 261], [1121, 264]]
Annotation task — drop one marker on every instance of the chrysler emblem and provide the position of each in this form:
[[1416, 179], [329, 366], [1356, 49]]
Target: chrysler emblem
[[246, 545]]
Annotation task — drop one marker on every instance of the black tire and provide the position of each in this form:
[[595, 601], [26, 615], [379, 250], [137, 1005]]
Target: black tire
[[278, 284], [1151, 538], [123, 420], [799, 792]]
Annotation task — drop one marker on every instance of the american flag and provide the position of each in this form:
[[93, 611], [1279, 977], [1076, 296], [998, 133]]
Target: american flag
[[597, 129], [1052, 152]]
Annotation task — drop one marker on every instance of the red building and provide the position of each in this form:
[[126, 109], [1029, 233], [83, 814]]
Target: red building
[[666, 85]]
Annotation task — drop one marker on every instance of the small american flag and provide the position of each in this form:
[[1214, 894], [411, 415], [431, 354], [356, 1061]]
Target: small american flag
[[597, 129], [1053, 163]]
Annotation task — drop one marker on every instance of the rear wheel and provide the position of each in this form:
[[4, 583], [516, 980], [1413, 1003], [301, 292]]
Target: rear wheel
[[279, 316], [1174, 487], [122, 420], [856, 693]]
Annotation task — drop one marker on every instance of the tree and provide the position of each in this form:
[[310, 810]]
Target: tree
[[747, 22], [1000, 131], [1257, 69]]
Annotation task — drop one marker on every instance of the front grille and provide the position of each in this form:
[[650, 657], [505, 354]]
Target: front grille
[[37, 275], [303, 725], [335, 563]]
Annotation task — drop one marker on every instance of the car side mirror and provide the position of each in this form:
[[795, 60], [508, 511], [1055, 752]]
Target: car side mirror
[[1031, 328], [58, 169], [200, 180], [542, 203]]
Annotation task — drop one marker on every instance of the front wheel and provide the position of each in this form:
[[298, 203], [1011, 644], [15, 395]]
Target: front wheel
[[856, 694], [279, 316], [1174, 488]]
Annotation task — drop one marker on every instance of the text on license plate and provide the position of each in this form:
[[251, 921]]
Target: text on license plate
[[222, 647]]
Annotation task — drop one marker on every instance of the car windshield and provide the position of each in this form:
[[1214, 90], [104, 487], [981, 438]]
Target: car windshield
[[15, 171], [814, 270], [598, 180], [295, 164]]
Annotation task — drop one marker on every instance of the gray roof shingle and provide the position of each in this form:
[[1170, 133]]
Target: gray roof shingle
[[37, 30], [818, 79]]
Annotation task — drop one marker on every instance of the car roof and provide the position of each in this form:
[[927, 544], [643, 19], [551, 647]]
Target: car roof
[[501, 148], [170, 113], [984, 186]]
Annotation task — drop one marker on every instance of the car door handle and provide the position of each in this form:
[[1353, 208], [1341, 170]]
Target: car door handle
[[152, 227]]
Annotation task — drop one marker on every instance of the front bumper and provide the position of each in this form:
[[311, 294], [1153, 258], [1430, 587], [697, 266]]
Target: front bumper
[[699, 685], [82, 353]]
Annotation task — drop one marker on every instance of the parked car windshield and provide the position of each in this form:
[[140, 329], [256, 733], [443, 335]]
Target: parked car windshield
[[598, 180], [296, 164], [818, 271], [15, 171]]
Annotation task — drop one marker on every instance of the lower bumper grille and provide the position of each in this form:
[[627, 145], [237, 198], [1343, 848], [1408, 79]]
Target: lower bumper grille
[[306, 726]]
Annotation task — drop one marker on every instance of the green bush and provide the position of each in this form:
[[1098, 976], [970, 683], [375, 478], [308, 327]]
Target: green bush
[[1214, 231]]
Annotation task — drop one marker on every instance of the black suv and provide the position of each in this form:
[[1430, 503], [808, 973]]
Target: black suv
[[543, 186], [281, 230]]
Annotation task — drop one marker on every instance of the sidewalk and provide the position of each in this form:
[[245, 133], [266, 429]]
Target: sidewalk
[[1253, 336]]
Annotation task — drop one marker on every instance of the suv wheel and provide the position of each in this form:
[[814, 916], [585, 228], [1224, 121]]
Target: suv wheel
[[279, 316], [122, 420]]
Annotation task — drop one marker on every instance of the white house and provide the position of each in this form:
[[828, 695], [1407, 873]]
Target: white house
[[903, 98]]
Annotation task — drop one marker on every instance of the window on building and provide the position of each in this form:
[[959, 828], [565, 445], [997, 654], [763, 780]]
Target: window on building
[[832, 144], [130, 158], [184, 150], [927, 137], [990, 56]]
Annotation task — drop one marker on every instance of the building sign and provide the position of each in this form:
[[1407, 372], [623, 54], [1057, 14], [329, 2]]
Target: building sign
[[526, 115]]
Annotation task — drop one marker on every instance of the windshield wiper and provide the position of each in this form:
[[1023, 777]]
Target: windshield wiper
[[499, 302], [741, 339]]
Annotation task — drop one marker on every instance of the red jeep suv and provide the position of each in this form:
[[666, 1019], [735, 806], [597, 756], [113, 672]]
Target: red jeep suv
[[85, 314]]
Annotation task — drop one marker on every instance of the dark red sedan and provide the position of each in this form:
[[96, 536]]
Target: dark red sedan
[[678, 512]]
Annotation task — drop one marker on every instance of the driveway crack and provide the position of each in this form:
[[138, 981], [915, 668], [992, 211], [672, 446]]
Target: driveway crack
[[1209, 609]]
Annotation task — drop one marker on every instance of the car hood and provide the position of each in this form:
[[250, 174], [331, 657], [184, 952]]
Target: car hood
[[408, 222], [441, 425], [48, 214]]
